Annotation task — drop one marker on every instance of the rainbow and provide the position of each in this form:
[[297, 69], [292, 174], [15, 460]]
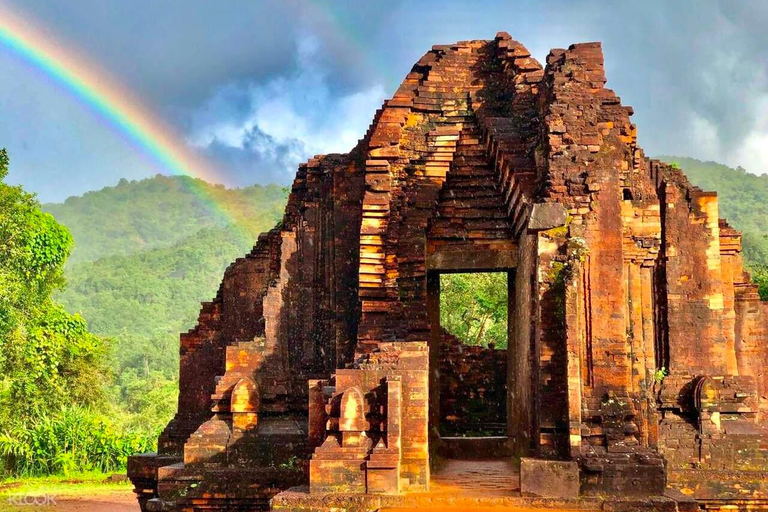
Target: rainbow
[[92, 87]]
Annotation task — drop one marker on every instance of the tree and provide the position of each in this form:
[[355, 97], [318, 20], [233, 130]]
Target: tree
[[760, 277], [47, 356], [473, 307]]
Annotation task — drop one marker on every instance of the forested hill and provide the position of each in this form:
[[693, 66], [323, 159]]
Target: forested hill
[[743, 201], [159, 212], [146, 254]]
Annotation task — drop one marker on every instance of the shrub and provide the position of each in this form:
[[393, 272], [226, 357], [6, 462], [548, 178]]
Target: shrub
[[73, 440]]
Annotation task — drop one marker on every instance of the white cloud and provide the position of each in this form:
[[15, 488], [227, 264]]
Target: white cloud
[[287, 119], [705, 138], [752, 152]]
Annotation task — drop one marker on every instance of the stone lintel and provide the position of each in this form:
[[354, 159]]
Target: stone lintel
[[546, 216], [455, 258]]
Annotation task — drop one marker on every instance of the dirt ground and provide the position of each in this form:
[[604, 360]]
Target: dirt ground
[[119, 501]]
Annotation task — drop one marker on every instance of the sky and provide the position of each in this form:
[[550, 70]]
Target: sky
[[258, 86]]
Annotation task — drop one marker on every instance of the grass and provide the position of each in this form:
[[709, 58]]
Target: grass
[[72, 486]]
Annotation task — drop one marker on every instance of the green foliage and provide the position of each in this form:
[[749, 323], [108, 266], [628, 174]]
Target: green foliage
[[72, 439], [145, 300], [473, 307], [4, 163], [658, 375], [760, 276], [48, 357], [57, 362], [148, 400], [146, 253]]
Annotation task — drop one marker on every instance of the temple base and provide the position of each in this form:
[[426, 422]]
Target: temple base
[[298, 499]]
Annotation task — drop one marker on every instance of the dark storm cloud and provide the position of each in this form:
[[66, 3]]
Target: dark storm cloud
[[174, 52], [178, 52], [696, 73], [261, 85]]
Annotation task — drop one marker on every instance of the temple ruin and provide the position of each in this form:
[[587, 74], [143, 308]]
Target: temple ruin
[[636, 369]]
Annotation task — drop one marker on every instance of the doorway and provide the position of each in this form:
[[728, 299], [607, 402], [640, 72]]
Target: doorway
[[472, 354]]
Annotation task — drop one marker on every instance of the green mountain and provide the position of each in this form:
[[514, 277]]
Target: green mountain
[[160, 212], [743, 201], [144, 300], [146, 254]]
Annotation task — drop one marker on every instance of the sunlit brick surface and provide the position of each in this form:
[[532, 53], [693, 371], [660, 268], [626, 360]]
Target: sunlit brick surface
[[638, 349]]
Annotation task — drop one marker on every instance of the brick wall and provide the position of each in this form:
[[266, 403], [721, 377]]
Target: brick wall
[[473, 389]]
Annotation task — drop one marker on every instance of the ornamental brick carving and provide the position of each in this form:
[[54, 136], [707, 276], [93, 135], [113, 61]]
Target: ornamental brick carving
[[638, 349]]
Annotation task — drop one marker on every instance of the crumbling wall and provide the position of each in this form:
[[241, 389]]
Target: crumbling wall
[[752, 339], [603, 354], [693, 286], [473, 389], [222, 321], [288, 291]]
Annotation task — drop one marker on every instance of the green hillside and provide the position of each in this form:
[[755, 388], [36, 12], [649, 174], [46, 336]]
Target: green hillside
[[146, 254], [743, 201], [159, 212], [146, 299]]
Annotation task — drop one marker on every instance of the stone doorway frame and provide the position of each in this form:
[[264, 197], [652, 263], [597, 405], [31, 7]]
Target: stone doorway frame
[[467, 260]]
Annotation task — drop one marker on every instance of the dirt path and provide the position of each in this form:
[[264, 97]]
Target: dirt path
[[124, 501]]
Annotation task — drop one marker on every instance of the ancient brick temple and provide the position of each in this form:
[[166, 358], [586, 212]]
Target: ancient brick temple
[[636, 364]]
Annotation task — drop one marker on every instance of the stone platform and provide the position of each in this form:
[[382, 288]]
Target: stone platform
[[298, 499], [491, 485], [489, 478]]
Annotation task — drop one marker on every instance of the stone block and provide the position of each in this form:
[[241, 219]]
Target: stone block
[[549, 478], [383, 480], [344, 476], [547, 216]]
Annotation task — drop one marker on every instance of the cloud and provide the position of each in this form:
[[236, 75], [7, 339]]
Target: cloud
[[261, 86], [695, 71], [261, 131], [751, 152], [173, 53]]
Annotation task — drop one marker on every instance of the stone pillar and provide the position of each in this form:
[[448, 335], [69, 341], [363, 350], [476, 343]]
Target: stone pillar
[[574, 319]]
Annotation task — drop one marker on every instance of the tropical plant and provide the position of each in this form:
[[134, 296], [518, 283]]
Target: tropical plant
[[73, 439], [473, 307], [48, 356]]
